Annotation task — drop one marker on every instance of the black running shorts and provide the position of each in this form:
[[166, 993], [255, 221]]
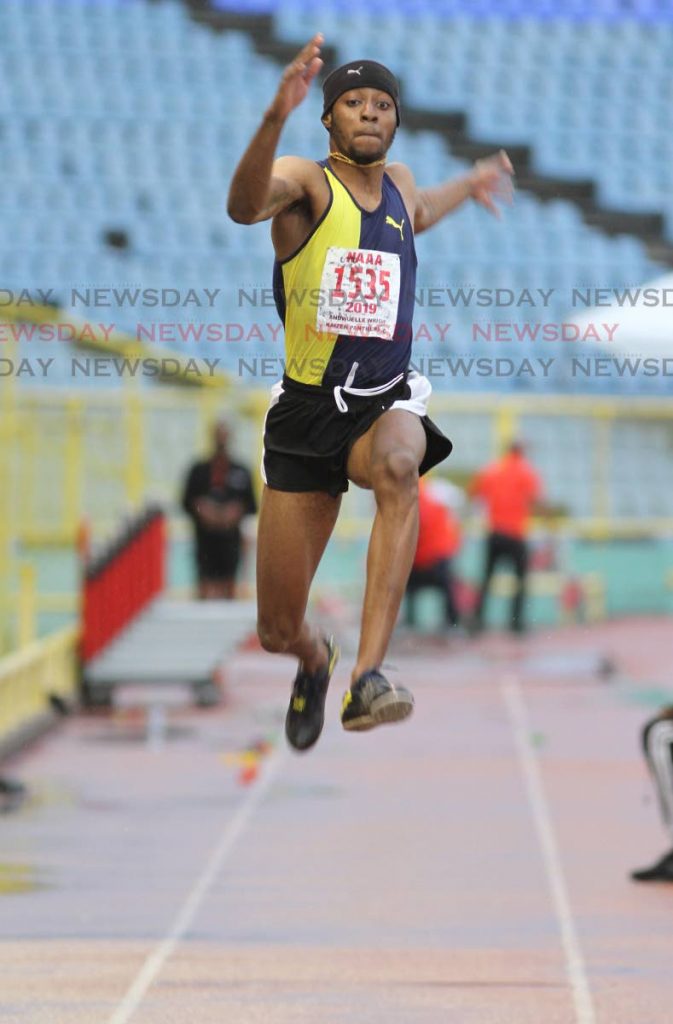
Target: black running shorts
[[307, 439], [218, 558]]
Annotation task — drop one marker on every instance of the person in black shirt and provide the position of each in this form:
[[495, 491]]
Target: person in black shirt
[[217, 494]]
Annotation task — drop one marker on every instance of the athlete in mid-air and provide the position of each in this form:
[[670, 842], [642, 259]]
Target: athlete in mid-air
[[348, 408]]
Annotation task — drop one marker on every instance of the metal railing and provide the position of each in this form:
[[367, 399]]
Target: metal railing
[[100, 456]]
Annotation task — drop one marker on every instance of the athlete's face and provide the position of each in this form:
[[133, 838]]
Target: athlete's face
[[362, 124]]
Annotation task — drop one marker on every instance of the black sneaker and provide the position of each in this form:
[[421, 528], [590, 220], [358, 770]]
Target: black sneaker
[[372, 700], [662, 871], [306, 713]]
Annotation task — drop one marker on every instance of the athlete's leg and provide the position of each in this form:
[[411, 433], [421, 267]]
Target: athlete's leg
[[386, 459], [492, 556], [448, 588], [520, 563], [292, 535], [414, 584]]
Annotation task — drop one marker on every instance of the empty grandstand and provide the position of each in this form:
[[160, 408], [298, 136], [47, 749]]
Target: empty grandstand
[[122, 121]]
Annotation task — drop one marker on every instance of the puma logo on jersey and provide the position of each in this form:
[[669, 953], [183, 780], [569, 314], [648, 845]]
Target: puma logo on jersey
[[355, 71], [393, 223]]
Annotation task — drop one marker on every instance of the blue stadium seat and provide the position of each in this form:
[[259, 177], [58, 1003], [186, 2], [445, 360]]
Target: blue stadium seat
[[118, 115]]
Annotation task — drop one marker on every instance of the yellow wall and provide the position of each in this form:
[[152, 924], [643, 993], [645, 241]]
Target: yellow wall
[[29, 676]]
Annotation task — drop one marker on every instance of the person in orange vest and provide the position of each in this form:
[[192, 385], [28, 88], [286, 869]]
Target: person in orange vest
[[438, 542], [510, 489]]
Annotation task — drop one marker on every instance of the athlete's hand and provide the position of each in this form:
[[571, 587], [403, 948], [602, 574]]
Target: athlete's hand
[[297, 79], [491, 179]]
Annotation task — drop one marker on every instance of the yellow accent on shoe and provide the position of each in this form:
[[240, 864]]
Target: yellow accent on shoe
[[298, 704], [348, 697]]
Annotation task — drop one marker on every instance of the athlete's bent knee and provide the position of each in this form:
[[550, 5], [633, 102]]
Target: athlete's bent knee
[[277, 636], [397, 472]]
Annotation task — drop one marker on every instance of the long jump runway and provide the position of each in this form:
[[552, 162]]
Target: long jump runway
[[469, 865]]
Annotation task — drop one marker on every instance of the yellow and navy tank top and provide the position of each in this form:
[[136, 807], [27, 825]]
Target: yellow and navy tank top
[[346, 295]]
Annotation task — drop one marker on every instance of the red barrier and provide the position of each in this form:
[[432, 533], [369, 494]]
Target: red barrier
[[122, 581]]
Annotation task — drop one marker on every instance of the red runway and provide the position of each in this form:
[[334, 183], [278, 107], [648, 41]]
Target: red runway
[[469, 865]]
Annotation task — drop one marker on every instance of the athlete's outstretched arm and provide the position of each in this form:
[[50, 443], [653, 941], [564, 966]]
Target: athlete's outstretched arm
[[261, 188], [489, 179]]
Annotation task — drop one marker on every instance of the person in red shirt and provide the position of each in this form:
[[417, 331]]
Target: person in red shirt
[[438, 543], [510, 488]]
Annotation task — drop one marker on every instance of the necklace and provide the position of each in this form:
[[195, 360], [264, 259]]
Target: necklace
[[354, 163]]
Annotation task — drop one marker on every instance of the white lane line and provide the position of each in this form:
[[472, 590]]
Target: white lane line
[[232, 833], [575, 968]]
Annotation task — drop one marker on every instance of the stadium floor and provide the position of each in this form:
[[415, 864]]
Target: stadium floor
[[467, 866]]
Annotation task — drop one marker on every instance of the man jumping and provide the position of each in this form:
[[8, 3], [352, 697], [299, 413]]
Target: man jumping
[[348, 408]]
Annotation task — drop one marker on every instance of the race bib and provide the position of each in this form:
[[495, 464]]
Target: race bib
[[359, 292]]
